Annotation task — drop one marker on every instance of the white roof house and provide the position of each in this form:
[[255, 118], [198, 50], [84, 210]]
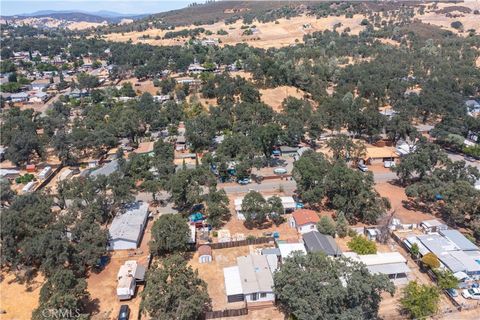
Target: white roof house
[[392, 264], [287, 249], [127, 228], [287, 202]]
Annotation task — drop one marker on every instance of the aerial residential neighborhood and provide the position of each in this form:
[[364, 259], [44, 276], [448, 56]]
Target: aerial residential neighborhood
[[258, 160]]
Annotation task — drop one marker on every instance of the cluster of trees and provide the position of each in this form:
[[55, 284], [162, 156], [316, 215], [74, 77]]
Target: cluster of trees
[[184, 33], [338, 288], [62, 247], [332, 183], [328, 226], [183, 294], [257, 210], [440, 185]]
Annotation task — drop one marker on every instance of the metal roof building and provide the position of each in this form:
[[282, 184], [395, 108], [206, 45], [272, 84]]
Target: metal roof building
[[106, 170], [255, 274], [392, 264], [250, 280], [127, 228], [459, 240]]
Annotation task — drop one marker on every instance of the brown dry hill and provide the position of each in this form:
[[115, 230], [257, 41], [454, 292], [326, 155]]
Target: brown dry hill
[[216, 11]]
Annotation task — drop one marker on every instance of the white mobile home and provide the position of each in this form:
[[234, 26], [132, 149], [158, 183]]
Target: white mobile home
[[127, 228]]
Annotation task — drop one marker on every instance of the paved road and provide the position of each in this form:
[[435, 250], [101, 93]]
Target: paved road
[[288, 186], [458, 157]]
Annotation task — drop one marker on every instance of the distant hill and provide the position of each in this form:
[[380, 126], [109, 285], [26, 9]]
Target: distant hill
[[78, 16], [218, 10]]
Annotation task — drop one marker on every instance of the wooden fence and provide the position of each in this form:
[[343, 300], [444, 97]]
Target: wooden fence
[[240, 243], [226, 313]]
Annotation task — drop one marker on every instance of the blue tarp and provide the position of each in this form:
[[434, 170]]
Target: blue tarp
[[197, 216]]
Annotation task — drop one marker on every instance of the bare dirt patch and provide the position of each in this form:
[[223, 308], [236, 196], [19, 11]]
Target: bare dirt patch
[[103, 286], [141, 87], [396, 195], [212, 274], [274, 97], [18, 300]]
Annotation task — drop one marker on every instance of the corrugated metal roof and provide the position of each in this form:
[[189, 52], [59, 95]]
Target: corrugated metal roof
[[459, 239], [287, 249], [106, 170], [129, 225], [390, 268]]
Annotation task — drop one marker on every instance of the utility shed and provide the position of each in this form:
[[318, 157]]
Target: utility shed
[[317, 242], [127, 228], [205, 254], [459, 240]]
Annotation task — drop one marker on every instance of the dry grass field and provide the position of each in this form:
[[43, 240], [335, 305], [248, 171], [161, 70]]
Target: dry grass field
[[274, 97], [14, 294], [284, 33], [440, 19]]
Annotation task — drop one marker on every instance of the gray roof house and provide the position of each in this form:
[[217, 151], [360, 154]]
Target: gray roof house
[[318, 242], [127, 228], [106, 170], [251, 280]]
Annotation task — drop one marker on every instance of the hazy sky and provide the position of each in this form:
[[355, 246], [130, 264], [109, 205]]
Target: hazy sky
[[12, 7]]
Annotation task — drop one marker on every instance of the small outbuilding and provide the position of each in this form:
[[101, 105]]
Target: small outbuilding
[[432, 226], [205, 254]]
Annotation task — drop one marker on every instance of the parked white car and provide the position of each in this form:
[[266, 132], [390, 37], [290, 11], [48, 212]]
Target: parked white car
[[362, 167], [389, 164], [472, 293]]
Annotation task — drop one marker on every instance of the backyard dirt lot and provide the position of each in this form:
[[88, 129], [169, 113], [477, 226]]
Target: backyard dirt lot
[[141, 87], [102, 286], [17, 301], [212, 274], [396, 195]]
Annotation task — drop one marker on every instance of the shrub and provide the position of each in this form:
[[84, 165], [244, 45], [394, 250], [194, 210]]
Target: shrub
[[25, 178], [446, 279], [431, 260], [420, 301], [362, 245], [456, 25], [326, 225]]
